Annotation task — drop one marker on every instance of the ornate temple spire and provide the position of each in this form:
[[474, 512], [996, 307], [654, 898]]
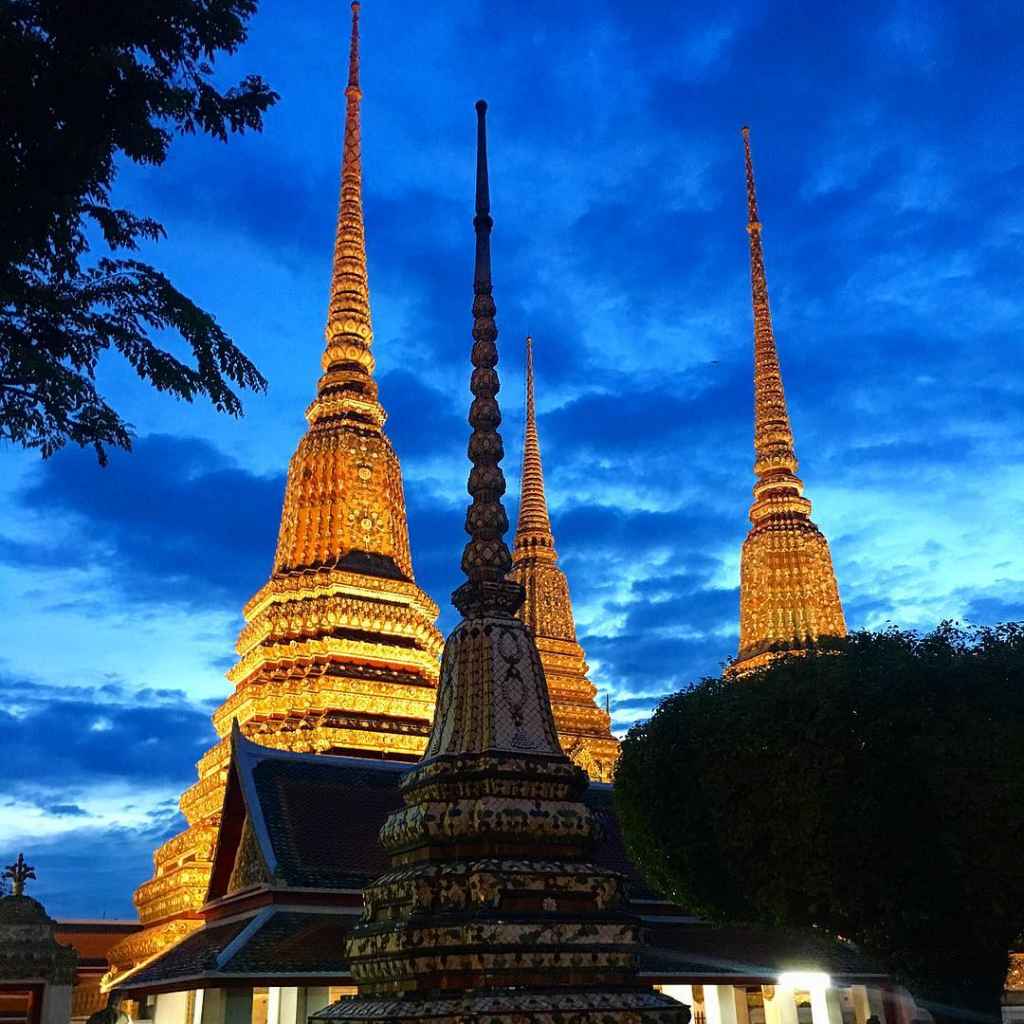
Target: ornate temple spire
[[492, 910], [533, 530], [349, 330], [773, 436], [486, 558], [19, 873], [584, 729], [340, 651], [788, 592]]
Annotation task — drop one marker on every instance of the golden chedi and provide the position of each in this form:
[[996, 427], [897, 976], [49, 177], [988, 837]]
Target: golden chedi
[[789, 598], [583, 728], [492, 911], [339, 653]]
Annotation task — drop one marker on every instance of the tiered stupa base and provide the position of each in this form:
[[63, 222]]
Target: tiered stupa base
[[789, 599], [492, 911]]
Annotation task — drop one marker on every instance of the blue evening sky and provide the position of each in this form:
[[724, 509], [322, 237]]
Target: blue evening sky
[[888, 146]]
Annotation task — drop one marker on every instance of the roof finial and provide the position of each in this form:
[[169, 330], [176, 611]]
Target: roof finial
[[486, 558], [19, 872], [353, 52], [349, 329], [533, 530], [753, 221]]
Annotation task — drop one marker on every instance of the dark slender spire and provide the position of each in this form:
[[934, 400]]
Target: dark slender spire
[[486, 558]]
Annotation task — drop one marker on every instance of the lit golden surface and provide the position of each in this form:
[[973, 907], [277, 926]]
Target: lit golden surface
[[788, 592], [583, 728], [339, 651], [1015, 976]]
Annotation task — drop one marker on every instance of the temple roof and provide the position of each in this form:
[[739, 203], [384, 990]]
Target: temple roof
[[285, 796], [316, 820], [304, 945]]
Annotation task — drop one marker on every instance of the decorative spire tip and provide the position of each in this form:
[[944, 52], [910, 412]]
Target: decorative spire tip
[[486, 558], [19, 873]]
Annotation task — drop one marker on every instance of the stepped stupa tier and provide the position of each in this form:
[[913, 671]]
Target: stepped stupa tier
[[493, 910], [583, 728], [339, 652], [789, 598]]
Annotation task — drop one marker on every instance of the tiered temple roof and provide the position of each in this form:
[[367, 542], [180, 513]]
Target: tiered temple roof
[[583, 728], [340, 650], [789, 598], [286, 890]]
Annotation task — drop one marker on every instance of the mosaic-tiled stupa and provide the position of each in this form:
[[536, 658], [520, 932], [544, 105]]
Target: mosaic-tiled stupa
[[492, 909], [789, 598], [583, 728]]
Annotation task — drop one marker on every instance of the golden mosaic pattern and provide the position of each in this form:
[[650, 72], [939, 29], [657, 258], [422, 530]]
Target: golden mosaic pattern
[[1015, 976], [584, 728], [789, 597], [340, 650]]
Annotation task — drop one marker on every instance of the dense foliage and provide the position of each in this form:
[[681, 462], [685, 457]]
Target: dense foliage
[[86, 82], [876, 793]]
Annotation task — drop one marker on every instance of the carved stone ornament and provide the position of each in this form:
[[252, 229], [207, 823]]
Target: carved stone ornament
[[492, 911], [29, 950]]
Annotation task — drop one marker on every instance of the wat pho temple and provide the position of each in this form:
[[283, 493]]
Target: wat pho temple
[[430, 823]]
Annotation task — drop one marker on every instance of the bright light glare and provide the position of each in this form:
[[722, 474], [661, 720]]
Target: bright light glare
[[806, 981]]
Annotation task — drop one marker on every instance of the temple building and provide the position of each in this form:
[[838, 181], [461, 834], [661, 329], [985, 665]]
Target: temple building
[[339, 652], [491, 876], [286, 893], [789, 598], [584, 729]]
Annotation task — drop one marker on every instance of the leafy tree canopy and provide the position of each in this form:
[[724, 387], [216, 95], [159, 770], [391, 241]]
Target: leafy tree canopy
[[85, 81], [876, 793]]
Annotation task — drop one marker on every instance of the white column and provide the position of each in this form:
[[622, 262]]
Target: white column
[[197, 1005], [781, 1008], [273, 1004], [720, 1004], [288, 1007], [171, 1008], [825, 1005]]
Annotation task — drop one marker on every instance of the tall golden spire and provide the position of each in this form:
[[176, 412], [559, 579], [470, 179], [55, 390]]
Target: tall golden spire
[[349, 331], [492, 911], [584, 730], [788, 592], [339, 653], [533, 531]]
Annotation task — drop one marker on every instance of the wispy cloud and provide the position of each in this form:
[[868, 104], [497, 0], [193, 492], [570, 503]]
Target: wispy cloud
[[888, 167]]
